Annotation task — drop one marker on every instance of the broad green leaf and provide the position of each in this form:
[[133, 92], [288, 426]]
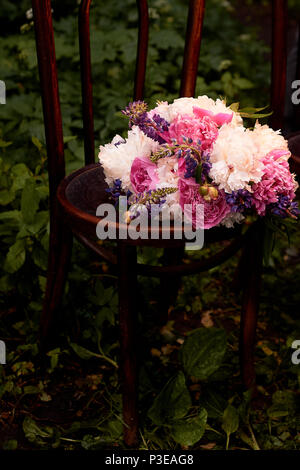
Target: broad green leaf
[[188, 432], [40, 222], [6, 196], [213, 402], [20, 173], [172, 403], [230, 422], [15, 257], [203, 351]]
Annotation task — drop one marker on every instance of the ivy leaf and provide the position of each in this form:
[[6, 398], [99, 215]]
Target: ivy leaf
[[172, 403], [203, 351], [188, 432]]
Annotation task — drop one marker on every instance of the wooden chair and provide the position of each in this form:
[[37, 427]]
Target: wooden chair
[[74, 199]]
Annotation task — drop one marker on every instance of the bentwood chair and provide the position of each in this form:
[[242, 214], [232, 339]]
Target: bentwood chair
[[74, 199]]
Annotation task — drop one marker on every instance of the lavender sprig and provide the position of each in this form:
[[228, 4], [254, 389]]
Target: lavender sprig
[[154, 196], [116, 191], [150, 126]]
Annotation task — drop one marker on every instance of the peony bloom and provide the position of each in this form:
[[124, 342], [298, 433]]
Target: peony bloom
[[215, 210], [189, 127], [266, 139], [143, 175], [182, 106], [219, 119], [118, 156], [234, 161], [277, 180]]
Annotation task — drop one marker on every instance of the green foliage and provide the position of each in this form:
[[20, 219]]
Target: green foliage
[[172, 403], [230, 422], [203, 352], [188, 432]]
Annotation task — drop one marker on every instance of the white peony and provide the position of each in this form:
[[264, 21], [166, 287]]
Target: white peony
[[116, 158], [234, 159], [266, 140]]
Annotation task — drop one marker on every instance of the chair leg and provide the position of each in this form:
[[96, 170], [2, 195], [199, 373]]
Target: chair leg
[[127, 261], [251, 274], [169, 287], [60, 249]]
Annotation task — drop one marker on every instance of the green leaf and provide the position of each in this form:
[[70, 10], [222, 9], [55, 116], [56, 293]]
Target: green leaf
[[82, 352], [15, 257], [213, 402], [188, 432], [203, 351], [37, 434], [20, 173], [6, 196], [29, 201], [172, 403], [277, 411], [12, 444], [234, 107], [230, 422]]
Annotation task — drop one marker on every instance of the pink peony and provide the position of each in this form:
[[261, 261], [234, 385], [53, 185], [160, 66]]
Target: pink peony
[[215, 210], [277, 180], [219, 119], [191, 127], [143, 175]]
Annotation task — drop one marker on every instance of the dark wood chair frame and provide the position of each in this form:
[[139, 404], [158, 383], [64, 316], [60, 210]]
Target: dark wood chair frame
[[73, 199]]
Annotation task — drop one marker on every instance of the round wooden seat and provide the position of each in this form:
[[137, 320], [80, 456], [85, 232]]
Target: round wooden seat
[[80, 193]]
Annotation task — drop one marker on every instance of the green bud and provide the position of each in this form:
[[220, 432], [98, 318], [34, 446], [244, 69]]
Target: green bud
[[203, 190]]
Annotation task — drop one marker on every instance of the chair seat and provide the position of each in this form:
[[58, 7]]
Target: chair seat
[[80, 193]]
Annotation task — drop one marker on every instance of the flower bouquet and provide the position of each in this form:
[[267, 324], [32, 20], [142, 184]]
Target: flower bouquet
[[197, 152]]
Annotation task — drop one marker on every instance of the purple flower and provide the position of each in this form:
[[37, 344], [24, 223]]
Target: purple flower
[[239, 200], [116, 191], [284, 207]]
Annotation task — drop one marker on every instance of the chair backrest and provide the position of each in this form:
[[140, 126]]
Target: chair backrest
[[49, 82]]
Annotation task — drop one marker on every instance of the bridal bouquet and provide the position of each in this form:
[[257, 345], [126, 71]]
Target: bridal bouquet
[[197, 151]]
